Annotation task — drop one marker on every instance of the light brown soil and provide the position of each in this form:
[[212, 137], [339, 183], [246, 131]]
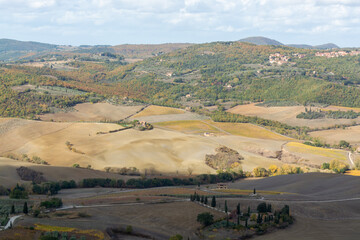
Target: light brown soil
[[288, 115], [161, 150], [93, 112], [333, 136]]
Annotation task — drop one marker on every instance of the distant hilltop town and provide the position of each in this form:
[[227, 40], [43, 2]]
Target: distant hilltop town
[[337, 54], [280, 59]]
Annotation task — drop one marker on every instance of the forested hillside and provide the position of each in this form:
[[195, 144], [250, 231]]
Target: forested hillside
[[199, 75]]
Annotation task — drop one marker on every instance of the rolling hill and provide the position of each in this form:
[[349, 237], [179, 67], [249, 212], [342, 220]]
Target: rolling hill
[[267, 41], [261, 41], [14, 45], [320, 47]]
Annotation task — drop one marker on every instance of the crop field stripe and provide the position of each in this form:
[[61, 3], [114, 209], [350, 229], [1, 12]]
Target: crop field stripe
[[303, 148]]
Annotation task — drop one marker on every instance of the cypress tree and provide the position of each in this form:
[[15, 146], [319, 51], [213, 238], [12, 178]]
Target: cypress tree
[[198, 197], [249, 210], [25, 209], [226, 207], [238, 212], [254, 191], [12, 209], [206, 200], [259, 218], [213, 202], [202, 199]]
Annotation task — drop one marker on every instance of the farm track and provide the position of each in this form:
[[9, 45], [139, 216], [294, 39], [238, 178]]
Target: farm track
[[221, 130], [350, 159], [121, 204], [11, 222]]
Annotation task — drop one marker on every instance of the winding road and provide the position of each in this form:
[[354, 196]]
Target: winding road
[[11, 222]]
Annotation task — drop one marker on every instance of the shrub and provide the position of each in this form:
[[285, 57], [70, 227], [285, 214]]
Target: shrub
[[176, 237], [3, 191], [205, 219], [344, 144], [338, 167], [129, 229], [325, 166], [83, 215], [260, 172]]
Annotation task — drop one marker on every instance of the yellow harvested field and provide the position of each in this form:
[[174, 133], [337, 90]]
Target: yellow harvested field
[[288, 115], [189, 126], [158, 110], [333, 136], [338, 108], [353, 172], [219, 128], [249, 130], [330, 154], [93, 112]]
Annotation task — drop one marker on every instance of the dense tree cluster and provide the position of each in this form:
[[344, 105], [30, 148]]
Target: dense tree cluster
[[18, 192], [52, 203]]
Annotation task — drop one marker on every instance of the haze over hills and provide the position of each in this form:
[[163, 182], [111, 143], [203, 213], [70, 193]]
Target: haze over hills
[[12, 50], [267, 41]]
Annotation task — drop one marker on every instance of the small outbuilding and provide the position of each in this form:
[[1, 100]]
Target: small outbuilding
[[222, 186]]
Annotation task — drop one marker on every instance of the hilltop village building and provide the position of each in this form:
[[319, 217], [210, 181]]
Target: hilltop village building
[[278, 59], [281, 59], [337, 54]]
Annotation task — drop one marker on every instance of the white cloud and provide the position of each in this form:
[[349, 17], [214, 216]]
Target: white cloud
[[171, 17], [41, 3]]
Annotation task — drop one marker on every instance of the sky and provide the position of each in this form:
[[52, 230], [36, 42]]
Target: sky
[[77, 22]]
